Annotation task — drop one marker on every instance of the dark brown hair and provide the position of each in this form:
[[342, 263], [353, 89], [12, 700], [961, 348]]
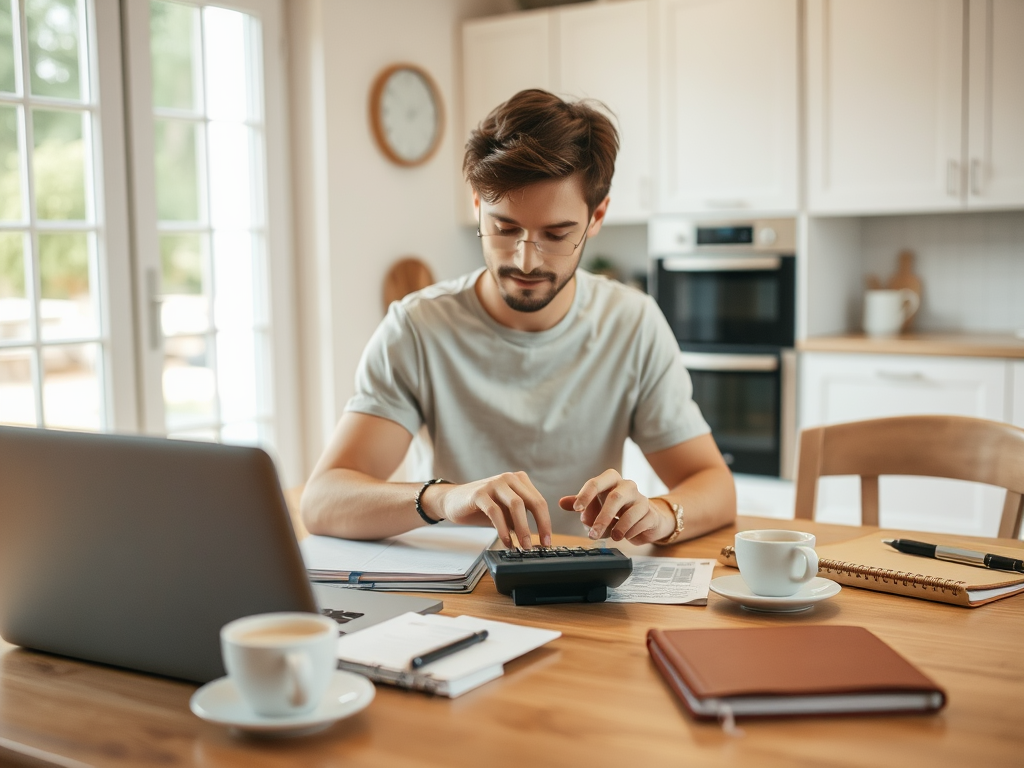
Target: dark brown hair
[[535, 136]]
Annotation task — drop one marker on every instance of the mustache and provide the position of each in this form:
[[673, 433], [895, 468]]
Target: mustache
[[518, 273]]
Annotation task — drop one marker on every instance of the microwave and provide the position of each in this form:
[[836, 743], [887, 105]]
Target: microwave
[[725, 285]]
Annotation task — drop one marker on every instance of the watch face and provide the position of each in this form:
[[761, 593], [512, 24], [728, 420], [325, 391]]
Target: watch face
[[409, 116]]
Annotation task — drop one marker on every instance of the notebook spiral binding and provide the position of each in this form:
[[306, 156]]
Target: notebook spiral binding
[[883, 575]]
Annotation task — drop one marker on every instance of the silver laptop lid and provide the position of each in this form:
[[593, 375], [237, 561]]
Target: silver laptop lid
[[135, 551]]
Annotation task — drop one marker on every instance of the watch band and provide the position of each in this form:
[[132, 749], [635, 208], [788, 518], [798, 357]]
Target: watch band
[[419, 499], [677, 510]]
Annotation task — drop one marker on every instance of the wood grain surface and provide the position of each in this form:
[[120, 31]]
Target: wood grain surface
[[590, 698]]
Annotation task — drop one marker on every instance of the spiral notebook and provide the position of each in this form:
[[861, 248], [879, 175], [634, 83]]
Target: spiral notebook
[[869, 564]]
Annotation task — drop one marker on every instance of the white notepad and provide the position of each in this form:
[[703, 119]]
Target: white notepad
[[446, 553], [382, 652]]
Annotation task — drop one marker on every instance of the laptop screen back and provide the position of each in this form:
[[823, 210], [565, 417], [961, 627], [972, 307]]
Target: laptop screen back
[[135, 551]]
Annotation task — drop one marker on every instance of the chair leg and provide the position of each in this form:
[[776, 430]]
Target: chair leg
[[1013, 511], [869, 500]]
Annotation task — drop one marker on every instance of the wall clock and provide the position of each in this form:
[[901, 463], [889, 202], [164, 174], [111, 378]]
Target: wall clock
[[406, 114]]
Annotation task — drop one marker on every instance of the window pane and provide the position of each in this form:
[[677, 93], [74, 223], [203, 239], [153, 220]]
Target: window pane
[[236, 375], [7, 71], [58, 164], [10, 165], [53, 32], [17, 402], [189, 383], [231, 183], [229, 85], [71, 387], [243, 433], [173, 32], [15, 317], [186, 304], [177, 170], [67, 309], [233, 267]]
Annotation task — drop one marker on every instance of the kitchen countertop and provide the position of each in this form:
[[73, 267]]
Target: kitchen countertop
[[1003, 345]]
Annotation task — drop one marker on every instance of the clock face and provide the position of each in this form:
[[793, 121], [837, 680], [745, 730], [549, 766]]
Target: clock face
[[408, 116]]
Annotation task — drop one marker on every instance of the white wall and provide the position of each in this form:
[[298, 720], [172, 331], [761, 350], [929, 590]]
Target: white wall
[[355, 212]]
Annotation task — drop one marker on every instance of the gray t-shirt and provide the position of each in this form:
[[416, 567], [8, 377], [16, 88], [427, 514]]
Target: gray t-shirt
[[558, 404]]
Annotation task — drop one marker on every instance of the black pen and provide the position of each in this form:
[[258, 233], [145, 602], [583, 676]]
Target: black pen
[[956, 555], [448, 650]]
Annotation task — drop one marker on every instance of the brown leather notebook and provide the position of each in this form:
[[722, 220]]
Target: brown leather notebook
[[791, 670]]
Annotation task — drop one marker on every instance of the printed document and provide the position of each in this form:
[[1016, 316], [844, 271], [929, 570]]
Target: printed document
[[665, 581]]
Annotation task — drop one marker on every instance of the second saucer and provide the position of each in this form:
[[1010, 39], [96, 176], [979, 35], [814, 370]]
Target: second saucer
[[735, 589]]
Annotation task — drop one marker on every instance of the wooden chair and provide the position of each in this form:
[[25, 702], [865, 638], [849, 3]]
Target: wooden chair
[[933, 446]]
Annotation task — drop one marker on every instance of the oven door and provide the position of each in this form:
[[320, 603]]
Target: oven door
[[741, 398], [718, 300]]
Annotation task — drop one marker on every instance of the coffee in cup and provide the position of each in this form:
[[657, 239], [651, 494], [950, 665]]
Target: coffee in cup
[[281, 663], [776, 563]]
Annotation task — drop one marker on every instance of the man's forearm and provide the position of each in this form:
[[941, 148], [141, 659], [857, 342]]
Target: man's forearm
[[708, 499], [353, 505]]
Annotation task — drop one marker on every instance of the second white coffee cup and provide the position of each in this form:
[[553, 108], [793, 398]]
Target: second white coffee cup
[[776, 563], [281, 663]]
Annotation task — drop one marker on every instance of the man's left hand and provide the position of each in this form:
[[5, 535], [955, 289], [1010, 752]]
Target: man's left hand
[[612, 506]]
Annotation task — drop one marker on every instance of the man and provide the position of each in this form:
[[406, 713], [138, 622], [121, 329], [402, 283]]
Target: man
[[528, 374]]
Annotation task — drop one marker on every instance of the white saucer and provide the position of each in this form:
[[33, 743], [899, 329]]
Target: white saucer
[[220, 702], [734, 588]]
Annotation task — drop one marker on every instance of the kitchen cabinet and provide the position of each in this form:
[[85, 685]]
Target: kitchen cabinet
[[887, 105], [501, 56], [728, 72], [836, 388], [603, 54], [995, 135]]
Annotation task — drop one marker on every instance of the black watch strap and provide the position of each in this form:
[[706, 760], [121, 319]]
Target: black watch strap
[[419, 498]]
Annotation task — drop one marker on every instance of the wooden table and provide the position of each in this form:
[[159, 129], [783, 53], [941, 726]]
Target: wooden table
[[590, 698]]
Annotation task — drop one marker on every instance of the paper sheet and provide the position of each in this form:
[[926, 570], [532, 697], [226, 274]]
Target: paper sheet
[[665, 581]]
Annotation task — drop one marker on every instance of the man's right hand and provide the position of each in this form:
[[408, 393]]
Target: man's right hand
[[502, 501]]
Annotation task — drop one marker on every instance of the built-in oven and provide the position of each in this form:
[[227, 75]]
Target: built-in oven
[[725, 284], [728, 291], [749, 401]]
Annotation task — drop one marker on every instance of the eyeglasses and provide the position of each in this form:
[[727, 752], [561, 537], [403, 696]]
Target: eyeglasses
[[508, 241]]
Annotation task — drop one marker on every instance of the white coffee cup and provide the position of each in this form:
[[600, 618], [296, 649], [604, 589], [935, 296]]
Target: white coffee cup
[[885, 311], [281, 663], [776, 563]]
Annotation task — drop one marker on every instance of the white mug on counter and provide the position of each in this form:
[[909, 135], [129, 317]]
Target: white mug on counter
[[281, 663], [885, 311], [776, 563]]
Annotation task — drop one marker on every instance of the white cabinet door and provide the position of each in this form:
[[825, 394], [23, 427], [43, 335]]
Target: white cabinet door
[[501, 56], [603, 53], [839, 387], [728, 104], [884, 105], [996, 104]]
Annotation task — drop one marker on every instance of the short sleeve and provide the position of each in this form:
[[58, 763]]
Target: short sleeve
[[390, 378], [665, 413]]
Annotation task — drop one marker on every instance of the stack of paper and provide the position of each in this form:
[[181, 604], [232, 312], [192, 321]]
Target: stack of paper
[[383, 652], [442, 559]]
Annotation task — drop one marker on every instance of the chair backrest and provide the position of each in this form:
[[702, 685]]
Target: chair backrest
[[955, 447]]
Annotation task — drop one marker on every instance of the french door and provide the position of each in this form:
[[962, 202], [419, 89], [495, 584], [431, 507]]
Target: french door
[[151, 221]]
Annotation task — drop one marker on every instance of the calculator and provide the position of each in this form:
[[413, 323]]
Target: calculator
[[545, 575]]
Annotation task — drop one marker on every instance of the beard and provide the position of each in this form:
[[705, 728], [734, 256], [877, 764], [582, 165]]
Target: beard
[[548, 285]]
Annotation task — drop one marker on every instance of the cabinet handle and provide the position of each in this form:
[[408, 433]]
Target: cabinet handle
[[901, 375], [723, 203], [975, 176], [952, 178]]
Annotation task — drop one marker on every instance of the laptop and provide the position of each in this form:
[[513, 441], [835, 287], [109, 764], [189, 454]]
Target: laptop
[[135, 551]]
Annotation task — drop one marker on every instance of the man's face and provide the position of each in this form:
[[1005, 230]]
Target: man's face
[[548, 214]]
